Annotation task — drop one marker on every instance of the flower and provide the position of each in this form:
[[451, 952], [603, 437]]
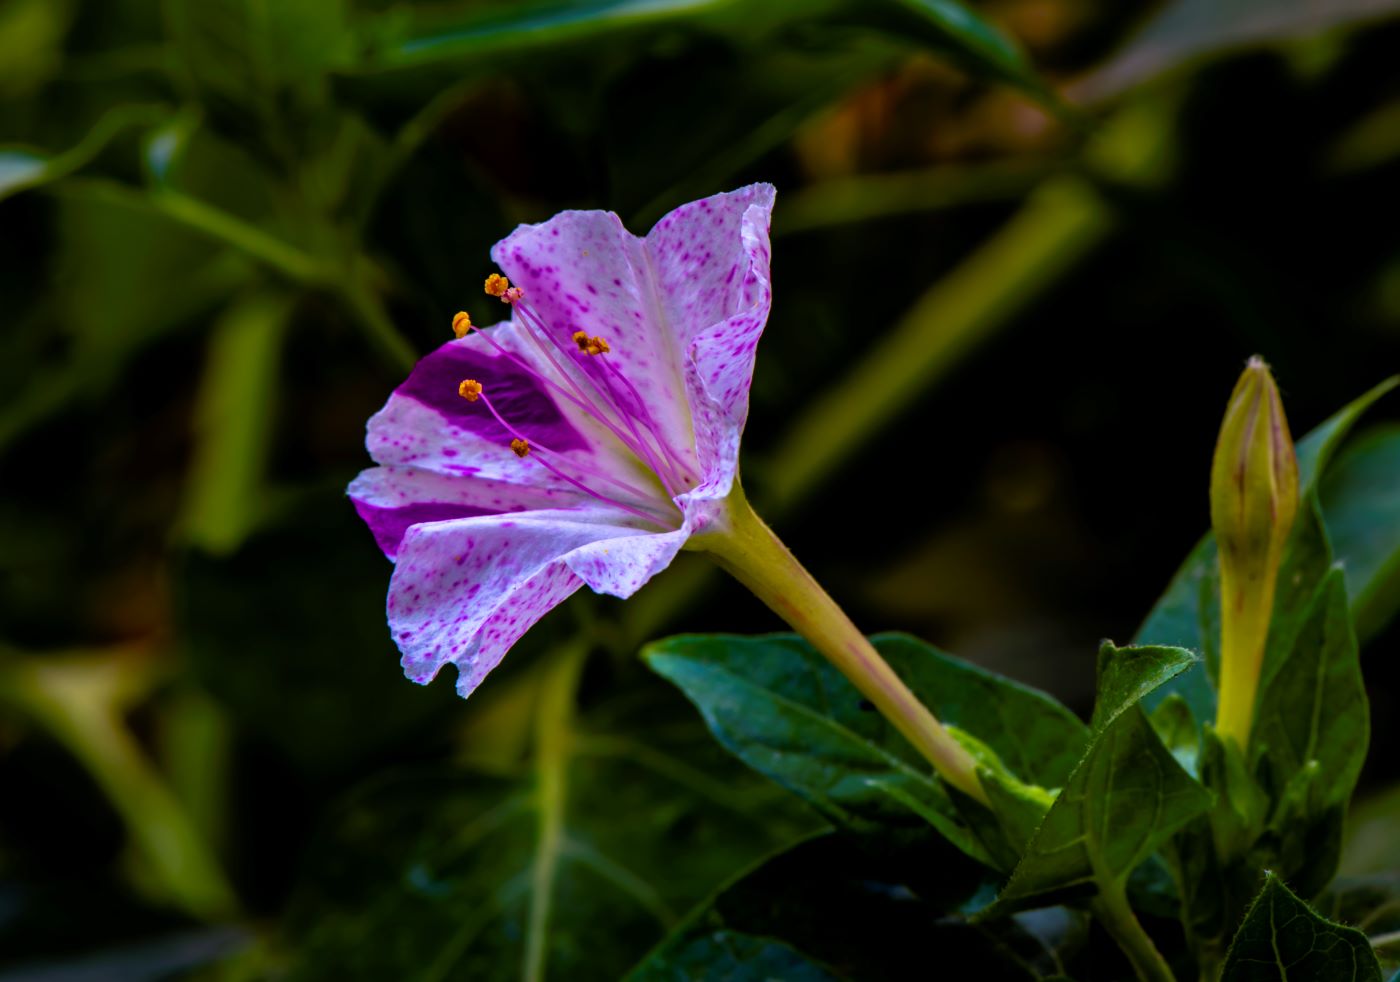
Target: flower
[[584, 441]]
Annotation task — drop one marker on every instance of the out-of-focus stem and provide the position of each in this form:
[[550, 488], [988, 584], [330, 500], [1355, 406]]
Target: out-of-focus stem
[[747, 549], [77, 701]]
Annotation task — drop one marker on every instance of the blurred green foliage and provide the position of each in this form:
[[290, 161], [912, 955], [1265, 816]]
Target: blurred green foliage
[[1021, 247]]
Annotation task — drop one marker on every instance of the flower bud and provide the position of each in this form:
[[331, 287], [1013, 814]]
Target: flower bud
[[1253, 501]]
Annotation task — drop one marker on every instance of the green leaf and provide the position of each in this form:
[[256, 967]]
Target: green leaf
[[1282, 939], [1127, 675], [569, 863], [1361, 504], [733, 957], [880, 915], [1122, 803], [478, 39], [781, 708], [1124, 799], [1312, 730]]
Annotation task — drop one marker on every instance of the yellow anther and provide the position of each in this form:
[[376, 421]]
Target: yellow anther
[[497, 285], [521, 447], [581, 339], [470, 389], [461, 323], [597, 346]]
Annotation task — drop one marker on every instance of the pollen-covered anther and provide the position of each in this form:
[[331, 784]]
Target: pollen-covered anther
[[597, 345], [470, 389], [461, 323], [496, 285], [581, 339], [520, 447]]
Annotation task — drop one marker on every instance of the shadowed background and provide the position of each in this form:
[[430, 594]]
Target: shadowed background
[[1018, 263]]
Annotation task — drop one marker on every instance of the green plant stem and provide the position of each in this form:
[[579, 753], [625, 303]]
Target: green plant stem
[[1116, 915], [749, 551], [78, 702], [553, 744]]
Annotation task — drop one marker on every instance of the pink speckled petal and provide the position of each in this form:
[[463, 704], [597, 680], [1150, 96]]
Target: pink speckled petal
[[393, 499], [464, 591], [712, 261], [582, 270]]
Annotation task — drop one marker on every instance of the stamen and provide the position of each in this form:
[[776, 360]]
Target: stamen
[[461, 323], [597, 346], [581, 339], [497, 285], [522, 447], [513, 295], [470, 389]]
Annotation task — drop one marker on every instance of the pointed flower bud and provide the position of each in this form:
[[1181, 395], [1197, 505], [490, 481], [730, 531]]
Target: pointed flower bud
[[1253, 501]]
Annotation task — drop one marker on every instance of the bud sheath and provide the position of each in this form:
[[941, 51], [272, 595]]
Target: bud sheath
[[1253, 502]]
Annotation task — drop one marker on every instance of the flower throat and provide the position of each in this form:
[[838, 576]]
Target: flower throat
[[604, 394]]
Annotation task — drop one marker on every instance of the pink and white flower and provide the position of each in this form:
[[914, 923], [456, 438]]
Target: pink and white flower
[[600, 433]]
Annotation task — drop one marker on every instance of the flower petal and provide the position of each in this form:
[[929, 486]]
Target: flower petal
[[465, 591], [393, 499], [582, 271], [712, 259]]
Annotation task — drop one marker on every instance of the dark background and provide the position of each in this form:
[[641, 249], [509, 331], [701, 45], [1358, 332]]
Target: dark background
[[1002, 339]]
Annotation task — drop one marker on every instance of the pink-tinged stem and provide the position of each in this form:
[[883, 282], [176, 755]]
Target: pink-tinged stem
[[752, 554]]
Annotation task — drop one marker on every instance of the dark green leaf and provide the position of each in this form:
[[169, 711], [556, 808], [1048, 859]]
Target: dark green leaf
[[1311, 733], [732, 957], [1282, 939], [570, 865], [880, 916], [1361, 505], [478, 38], [1127, 675], [783, 709], [1123, 802]]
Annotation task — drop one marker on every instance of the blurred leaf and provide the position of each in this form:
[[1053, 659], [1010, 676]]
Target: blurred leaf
[[571, 869], [81, 699], [731, 956], [774, 702], [474, 38], [31, 44], [870, 924], [23, 169], [1361, 503], [1371, 844], [259, 67], [1282, 939], [233, 423], [1124, 799], [1185, 30]]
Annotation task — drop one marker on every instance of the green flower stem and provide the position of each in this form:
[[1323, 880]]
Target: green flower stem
[[748, 550], [1116, 915]]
